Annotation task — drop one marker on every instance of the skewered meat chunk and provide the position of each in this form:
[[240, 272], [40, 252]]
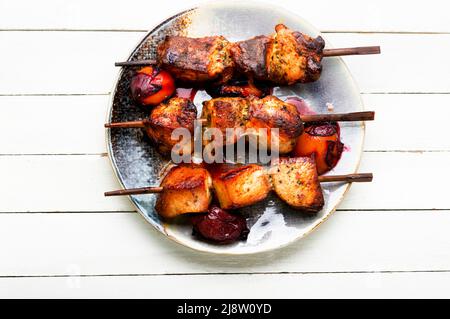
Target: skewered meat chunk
[[285, 58], [250, 56], [254, 113], [237, 186], [186, 189], [271, 112], [296, 182], [227, 112], [166, 117], [196, 59], [294, 57]]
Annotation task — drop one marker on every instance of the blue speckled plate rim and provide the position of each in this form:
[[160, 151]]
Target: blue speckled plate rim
[[161, 228]]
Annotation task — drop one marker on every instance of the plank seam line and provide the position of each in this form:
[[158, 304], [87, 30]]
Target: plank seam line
[[230, 274], [145, 30]]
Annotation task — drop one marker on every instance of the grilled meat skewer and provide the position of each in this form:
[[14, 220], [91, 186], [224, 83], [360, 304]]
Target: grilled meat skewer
[[187, 188], [283, 58], [237, 113]]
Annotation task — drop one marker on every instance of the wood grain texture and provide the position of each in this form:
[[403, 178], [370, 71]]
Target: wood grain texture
[[327, 15], [123, 243], [83, 62]]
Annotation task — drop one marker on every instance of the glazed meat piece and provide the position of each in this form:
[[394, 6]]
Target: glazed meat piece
[[296, 182], [237, 186], [166, 117], [250, 56], [186, 189], [252, 114], [271, 112], [294, 57], [196, 59], [226, 112], [284, 58]]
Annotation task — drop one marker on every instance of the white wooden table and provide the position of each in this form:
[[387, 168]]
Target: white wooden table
[[59, 237]]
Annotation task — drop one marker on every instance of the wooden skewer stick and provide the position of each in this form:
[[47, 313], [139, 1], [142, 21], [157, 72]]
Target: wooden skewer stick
[[135, 191], [326, 53], [351, 51], [339, 117], [350, 178], [138, 124], [136, 63], [130, 124]]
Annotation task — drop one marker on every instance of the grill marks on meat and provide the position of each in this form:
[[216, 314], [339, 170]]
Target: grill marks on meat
[[293, 57], [186, 189], [196, 59], [227, 112], [238, 186], [296, 182], [271, 112], [252, 114], [284, 58], [250, 56], [166, 117]]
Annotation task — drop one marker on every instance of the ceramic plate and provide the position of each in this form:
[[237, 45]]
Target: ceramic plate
[[272, 224]]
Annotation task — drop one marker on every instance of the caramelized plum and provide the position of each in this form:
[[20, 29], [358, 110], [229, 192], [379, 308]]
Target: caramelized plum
[[323, 142], [151, 85], [220, 226]]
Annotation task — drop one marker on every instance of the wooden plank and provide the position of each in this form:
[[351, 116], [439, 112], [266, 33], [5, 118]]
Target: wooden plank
[[50, 183], [123, 243], [74, 124], [77, 183], [62, 62], [383, 15], [53, 124], [413, 180], [406, 64], [371, 285], [408, 122]]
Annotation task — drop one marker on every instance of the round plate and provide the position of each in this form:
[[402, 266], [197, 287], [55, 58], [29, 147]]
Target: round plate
[[272, 223]]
